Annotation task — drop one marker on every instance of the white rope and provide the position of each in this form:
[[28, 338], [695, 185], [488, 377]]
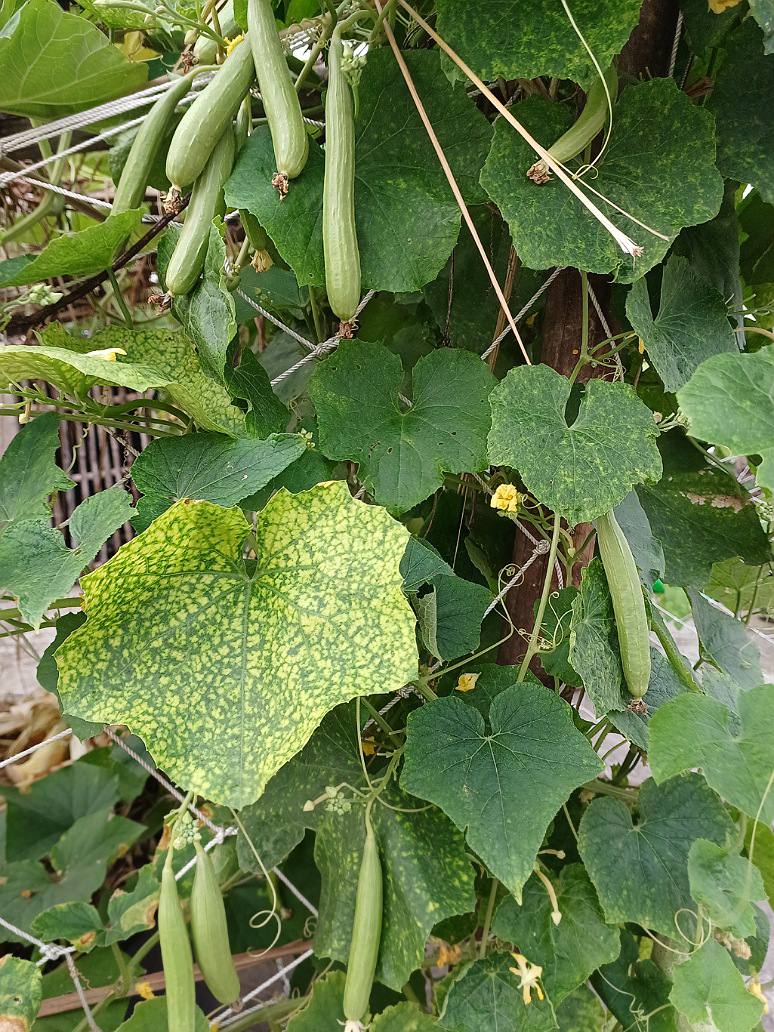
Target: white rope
[[273, 319], [522, 312], [606, 328], [47, 950], [676, 43], [296, 891], [34, 748], [75, 978], [229, 1011], [542, 548]]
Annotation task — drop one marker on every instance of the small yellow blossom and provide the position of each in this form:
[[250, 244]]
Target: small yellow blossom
[[144, 990], [719, 6], [466, 682], [754, 988], [231, 44], [529, 977], [641, 345], [506, 498], [369, 746], [448, 955], [109, 354]]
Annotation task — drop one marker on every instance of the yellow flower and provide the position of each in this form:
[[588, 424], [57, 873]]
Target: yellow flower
[[109, 354], [528, 975], [719, 6], [369, 746], [754, 987], [466, 682], [144, 990], [506, 498], [232, 43]]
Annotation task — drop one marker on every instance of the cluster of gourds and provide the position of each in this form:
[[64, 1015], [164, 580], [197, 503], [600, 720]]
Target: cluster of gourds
[[209, 932], [203, 148]]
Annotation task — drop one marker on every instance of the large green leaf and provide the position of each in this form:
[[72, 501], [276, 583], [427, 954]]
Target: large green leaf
[[151, 1016], [640, 869], [397, 176], [512, 39], [633, 988], [154, 358], [75, 254], [691, 324], [486, 995], [594, 651], [208, 467], [569, 951], [729, 400], [530, 751], [403, 452], [450, 615], [36, 566], [726, 885], [28, 471], [427, 875], [20, 993], [736, 756], [226, 666], [741, 104], [708, 990], [700, 518], [581, 470], [658, 137], [53, 62]]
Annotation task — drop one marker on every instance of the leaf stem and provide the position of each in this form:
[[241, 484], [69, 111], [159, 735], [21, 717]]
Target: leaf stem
[[488, 918], [673, 656], [535, 636]]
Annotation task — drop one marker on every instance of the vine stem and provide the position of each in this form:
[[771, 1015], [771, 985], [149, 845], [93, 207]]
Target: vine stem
[[673, 656], [535, 636], [488, 918]]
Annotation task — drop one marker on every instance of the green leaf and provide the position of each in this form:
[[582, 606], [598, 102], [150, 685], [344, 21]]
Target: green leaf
[[704, 28], [647, 551], [594, 650], [450, 616], [639, 869], [37, 567], [632, 988], [324, 1009], [250, 382], [208, 467], [582, 470], [39, 816], [707, 988], [306, 472], [76, 923], [75, 254], [531, 751], [691, 324], [761, 850], [701, 518], [756, 258], [159, 358], [743, 114], [569, 951], [763, 12], [427, 875], [78, 862], [396, 175], [151, 1016], [726, 642], [712, 249], [486, 995], [736, 756], [228, 667], [133, 911], [403, 1017], [207, 313], [513, 39], [402, 453], [659, 137], [581, 1011], [556, 633], [28, 471], [21, 991], [726, 885], [71, 372], [42, 38], [664, 686], [729, 400]]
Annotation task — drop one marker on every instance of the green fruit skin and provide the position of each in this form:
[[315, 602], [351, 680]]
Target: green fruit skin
[[366, 931], [590, 121], [176, 955], [206, 48], [134, 177], [190, 250], [208, 117], [280, 100], [340, 248], [209, 931], [628, 603]]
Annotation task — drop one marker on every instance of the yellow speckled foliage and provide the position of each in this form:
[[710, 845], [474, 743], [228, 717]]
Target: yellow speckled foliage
[[226, 667]]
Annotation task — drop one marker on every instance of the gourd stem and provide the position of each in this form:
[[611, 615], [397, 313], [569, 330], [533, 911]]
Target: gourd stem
[[535, 636]]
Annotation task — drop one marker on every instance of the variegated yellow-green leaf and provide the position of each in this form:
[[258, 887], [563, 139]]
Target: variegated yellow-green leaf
[[225, 667]]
